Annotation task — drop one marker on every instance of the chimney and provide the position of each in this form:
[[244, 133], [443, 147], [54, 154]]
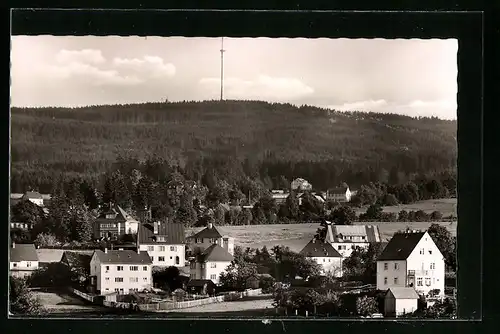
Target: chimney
[[138, 251], [155, 224], [105, 250], [210, 225], [13, 244]]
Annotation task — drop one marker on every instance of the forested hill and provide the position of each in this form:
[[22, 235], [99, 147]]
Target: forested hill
[[277, 138]]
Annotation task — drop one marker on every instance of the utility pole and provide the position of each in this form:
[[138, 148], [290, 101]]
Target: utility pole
[[222, 69]]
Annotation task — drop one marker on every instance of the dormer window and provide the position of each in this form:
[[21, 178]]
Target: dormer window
[[160, 239], [110, 216]]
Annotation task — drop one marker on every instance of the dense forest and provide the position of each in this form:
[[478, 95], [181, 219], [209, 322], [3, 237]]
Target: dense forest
[[273, 143]]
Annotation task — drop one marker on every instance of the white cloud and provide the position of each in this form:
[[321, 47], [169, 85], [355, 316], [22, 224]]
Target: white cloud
[[84, 73], [86, 56], [151, 65], [262, 88]]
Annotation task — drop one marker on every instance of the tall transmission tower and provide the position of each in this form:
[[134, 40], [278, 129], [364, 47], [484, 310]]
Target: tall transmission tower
[[222, 69]]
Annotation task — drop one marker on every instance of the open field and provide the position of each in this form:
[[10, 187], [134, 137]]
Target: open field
[[447, 206], [296, 236], [61, 302]]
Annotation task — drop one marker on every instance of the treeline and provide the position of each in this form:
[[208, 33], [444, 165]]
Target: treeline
[[324, 146]]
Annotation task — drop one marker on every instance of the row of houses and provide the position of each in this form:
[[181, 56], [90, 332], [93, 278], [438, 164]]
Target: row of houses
[[340, 194]]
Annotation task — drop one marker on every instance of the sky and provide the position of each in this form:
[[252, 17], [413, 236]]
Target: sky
[[403, 76]]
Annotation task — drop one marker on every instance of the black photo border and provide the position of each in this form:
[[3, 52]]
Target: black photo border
[[467, 27]]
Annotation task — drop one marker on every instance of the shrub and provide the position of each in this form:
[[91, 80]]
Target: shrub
[[46, 240], [366, 305], [266, 283], [436, 215], [22, 300]]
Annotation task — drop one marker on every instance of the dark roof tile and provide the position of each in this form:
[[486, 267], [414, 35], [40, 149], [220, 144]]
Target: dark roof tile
[[23, 252], [123, 256], [172, 232], [317, 248], [400, 246]]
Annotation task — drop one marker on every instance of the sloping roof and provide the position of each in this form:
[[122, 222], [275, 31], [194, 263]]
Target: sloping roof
[[74, 259], [16, 196], [121, 215], [207, 233], [370, 232], [338, 190], [317, 248], [215, 253], [123, 256], [23, 252], [172, 232], [400, 246], [403, 293], [124, 214], [33, 195]]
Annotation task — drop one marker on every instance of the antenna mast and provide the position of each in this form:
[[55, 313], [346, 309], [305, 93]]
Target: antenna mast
[[222, 69]]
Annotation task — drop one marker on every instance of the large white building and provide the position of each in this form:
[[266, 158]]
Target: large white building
[[210, 263], [325, 255], [121, 271], [346, 238], [23, 260], [411, 259], [341, 194], [164, 242], [207, 237]]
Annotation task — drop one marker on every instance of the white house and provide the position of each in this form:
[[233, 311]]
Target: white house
[[209, 236], [411, 259], [34, 197], [121, 271], [164, 243], [210, 263], [399, 301], [346, 238], [23, 260], [340, 194], [300, 184], [325, 255]]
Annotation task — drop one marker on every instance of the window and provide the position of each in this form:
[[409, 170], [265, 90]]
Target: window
[[134, 268], [118, 279], [106, 279], [192, 276], [134, 279], [145, 268], [213, 276], [152, 258], [433, 265], [117, 290], [430, 251], [396, 266], [161, 258], [419, 281], [107, 268], [173, 248], [395, 280], [151, 248], [162, 248], [28, 264], [145, 279], [363, 237], [213, 265], [192, 265], [177, 260], [340, 247], [329, 260], [196, 241], [119, 268], [386, 266], [160, 239], [428, 281], [324, 260], [14, 265], [385, 280], [422, 251], [106, 289]]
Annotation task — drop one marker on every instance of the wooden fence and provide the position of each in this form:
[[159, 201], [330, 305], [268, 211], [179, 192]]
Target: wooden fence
[[83, 295], [165, 306]]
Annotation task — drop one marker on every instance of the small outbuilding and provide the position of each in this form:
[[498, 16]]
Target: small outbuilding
[[201, 286], [399, 301]]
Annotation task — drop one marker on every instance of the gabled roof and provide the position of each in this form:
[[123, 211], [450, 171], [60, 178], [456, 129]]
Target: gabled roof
[[16, 196], [121, 215], [172, 232], [208, 233], [123, 257], [370, 232], [316, 248], [215, 253], [33, 195], [23, 252], [403, 293], [400, 246], [76, 260], [338, 190]]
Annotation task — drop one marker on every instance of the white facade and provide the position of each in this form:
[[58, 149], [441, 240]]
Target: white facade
[[131, 226], [340, 197], [398, 307], [121, 278], [37, 201], [23, 268], [208, 270], [330, 265], [345, 248], [166, 255], [200, 244], [424, 269]]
